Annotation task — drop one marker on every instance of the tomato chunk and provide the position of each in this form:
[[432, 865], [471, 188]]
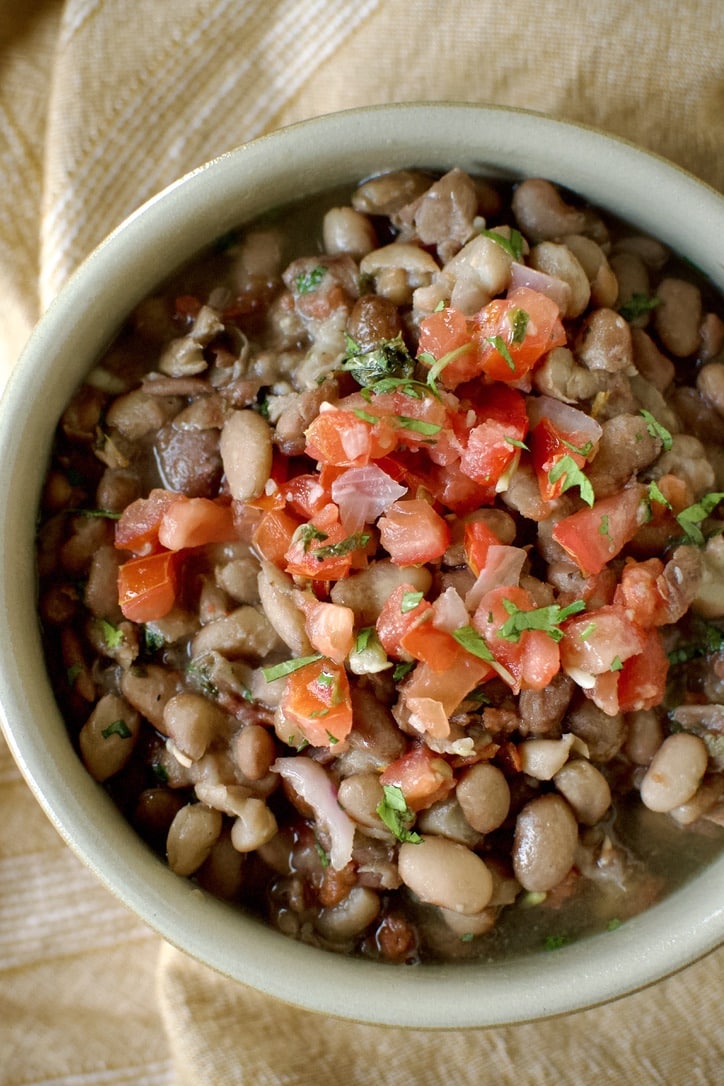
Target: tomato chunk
[[322, 550], [318, 703], [138, 525], [401, 611], [532, 659], [273, 535], [413, 533], [147, 586], [423, 776], [513, 333], [595, 535], [193, 522]]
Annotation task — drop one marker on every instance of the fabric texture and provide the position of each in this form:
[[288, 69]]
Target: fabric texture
[[104, 102]]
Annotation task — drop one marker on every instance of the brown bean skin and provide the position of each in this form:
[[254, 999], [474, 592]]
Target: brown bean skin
[[372, 321], [546, 834]]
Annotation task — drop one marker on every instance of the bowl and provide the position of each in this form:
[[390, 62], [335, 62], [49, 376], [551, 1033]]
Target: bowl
[[288, 164]]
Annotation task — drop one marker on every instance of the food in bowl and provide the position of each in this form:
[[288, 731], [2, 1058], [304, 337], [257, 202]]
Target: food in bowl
[[380, 572]]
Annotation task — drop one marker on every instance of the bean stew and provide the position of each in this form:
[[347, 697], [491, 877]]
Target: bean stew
[[381, 569]]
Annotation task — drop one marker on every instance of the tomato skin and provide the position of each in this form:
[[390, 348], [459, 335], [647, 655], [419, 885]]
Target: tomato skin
[[194, 522], [317, 702], [272, 536], [425, 642], [147, 586], [548, 446], [478, 539], [412, 533], [595, 535], [447, 331], [138, 524], [544, 331], [393, 623], [423, 777]]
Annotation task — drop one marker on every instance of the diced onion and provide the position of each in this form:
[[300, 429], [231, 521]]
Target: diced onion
[[363, 494], [311, 783], [555, 289], [502, 569]]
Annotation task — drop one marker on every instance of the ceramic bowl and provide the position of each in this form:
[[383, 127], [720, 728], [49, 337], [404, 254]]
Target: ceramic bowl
[[288, 164]]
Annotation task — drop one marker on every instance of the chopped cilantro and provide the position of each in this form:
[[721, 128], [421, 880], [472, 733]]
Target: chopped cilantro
[[107, 513], [547, 619], [512, 245], [152, 640], [345, 546], [410, 601], [515, 443], [583, 450], [587, 631], [655, 495], [365, 416], [555, 942], [690, 518], [567, 469], [613, 924], [396, 815], [160, 772], [418, 426], [363, 638], [616, 664], [332, 738], [708, 639], [119, 728], [323, 857], [308, 535], [502, 348], [72, 673], [390, 359], [473, 642], [414, 389], [402, 669], [309, 281], [111, 634], [278, 671], [519, 324], [603, 526], [656, 429], [637, 305], [437, 365]]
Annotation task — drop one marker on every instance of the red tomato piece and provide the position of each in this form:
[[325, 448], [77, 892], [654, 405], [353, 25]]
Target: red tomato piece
[[423, 777], [596, 642], [449, 687], [412, 533], [639, 592], [272, 536], [137, 527], [595, 535], [533, 659], [425, 642], [447, 333], [329, 626], [642, 679], [526, 323], [147, 586], [548, 446], [194, 522], [398, 616], [343, 438], [317, 701], [478, 539], [321, 549], [306, 494]]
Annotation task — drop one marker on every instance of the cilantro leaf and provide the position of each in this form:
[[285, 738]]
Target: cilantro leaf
[[119, 728], [345, 546], [656, 429], [410, 601], [396, 815], [512, 245], [309, 281], [547, 619], [473, 642], [502, 348], [519, 324], [111, 634], [278, 671], [390, 359], [568, 469], [690, 518], [637, 305]]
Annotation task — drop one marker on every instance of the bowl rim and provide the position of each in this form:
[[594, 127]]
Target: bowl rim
[[204, 204]]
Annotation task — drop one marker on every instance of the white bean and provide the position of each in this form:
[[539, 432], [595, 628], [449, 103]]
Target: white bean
[[675, 772], [544, 846], [585, 788], [442, 872], [350, 916], [245, 632], [246, 453], [558, 261], [484, 796], [345, 230], [108, 737], [254, 825], [191, 837], [359, 795]]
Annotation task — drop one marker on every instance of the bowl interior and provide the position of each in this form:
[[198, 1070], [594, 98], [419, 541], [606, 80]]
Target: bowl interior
[[235, 188]]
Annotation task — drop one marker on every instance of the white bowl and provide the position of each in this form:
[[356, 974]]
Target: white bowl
[[288, 164]]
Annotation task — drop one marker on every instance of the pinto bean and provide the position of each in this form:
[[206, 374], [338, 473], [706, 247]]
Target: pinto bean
[[118, 487], [360, 795], [398, 269], [190, 460], [191, 836], [632, 276], [345, 230], [626, 448], [254, 751], [677, 319], [276, 594], [605, 342], [604, 735], [148, 689], [645, 735], [246, 632], [447, 819], [585, 788], [101, 590], [386, 194], [710, 382], [709, 599], [559, 261], [192, 721], [108, 737], [687, 458], [560, 376], [541, 711], [366, 592], [373, 320], [254, 825], [298, 413], [445, 873], [89, 534], [222, 872], [246, 453], [675, 773], [542, 213], [350, 916], [484, 796], [601, 277], [544, 846]]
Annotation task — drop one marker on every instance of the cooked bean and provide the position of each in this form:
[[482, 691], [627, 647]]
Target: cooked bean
[[373, 320], [154, 812], [101, 589], [442, 872], [117, 488], [465, 926], [708, 797], [559, 261], [276, 590], [484, 796], [605, 343], [300, 410], [709, 599], [222, 872], [246, 632], [560, 376], [137, 414], [192, 835], [645, 735], [345, 230], [350, 917], [108, 737], [543, 758], [89, 534], [398, 269], [546, 835], [360, 795], [541, 711], [254, 751], [246, 453], [542, 213], [632, 276], [375, 740], [601, 277], [710, 382], [712, 337], [626, 447], [604, 735], [367, 591], [387, 193], [446, 818], [687, 458], [675, 772], [254, 825], [192, 721], [477, 273], [586, 790], [677, 319], [190, 460], [148, 689]]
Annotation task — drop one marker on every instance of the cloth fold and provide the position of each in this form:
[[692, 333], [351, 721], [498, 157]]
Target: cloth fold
[[104, 102]]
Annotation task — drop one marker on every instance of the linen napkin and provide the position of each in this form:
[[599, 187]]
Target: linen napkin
[[102, 103]]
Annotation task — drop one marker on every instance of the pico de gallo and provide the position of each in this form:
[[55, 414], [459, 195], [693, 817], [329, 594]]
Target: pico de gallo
[[382, 571]]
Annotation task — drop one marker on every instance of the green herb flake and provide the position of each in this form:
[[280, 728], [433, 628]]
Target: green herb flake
[[655, 495], [467, 937], [616, 664], [515, 443], [418, 426], [388, 360], [614, 924], [416, 390], [72, 673], [108, 514], [321, 852], [568, 470], [345, 546], [555, 942], [587, 631], [437, 365], [152, 640], [309, 281], [582, 450], [603, 528], [709, 639], [332, 739], [401, 670], [656, 429], [690, 518], [638, 305], [119, 728], [546, 619], [513, 245], [502, 348], [279, 671], [363, 638], [308, 534], [473, 642], [365, 416], [410, 600], [519, 324], [160, 772], [396, 815], [112, 636]]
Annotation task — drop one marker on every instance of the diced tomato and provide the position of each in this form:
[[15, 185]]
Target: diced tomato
[[329, 626], [412, 533], [527, 324], [446, 332], [194, 522], [435, 647], [639, 592], [308, 554], [595, 535], [423, 777], [317, 701], [642, 679], [138, 524], [597, 641], [449, 687], [340, 437], [397, 617], [531, 661], [548, 446], [306, 494], [147, 586], [478, 539], [273, 535]]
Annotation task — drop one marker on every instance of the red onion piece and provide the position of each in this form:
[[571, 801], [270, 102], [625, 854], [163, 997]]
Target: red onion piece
[[363, 494], [311, 783]]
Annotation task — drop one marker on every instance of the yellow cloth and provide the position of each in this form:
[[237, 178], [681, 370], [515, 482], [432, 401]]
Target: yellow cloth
[[103, 102]]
